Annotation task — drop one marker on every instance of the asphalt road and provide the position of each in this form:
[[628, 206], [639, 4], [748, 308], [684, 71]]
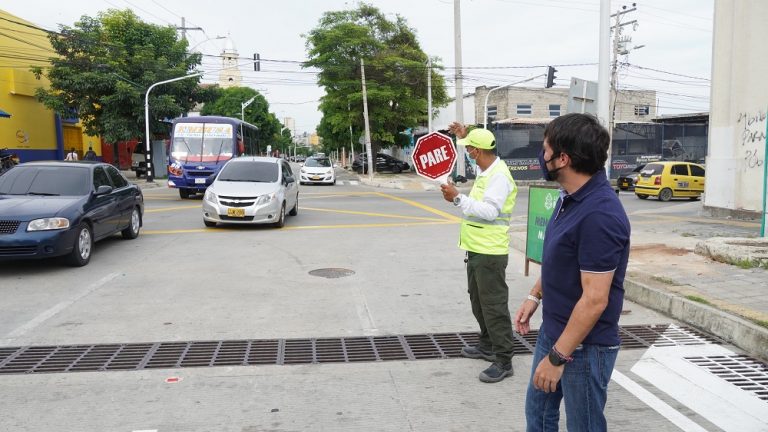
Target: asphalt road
[[181, 281]]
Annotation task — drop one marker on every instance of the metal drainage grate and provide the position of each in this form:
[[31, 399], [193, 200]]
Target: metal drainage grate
[[81, 358], [640, 336], [747, 373], [332, 273]]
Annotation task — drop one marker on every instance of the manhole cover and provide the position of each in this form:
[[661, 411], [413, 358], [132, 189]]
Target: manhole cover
[[332, 273]]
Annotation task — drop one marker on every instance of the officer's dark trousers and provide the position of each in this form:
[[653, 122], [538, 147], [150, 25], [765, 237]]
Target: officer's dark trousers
[[489, 294]]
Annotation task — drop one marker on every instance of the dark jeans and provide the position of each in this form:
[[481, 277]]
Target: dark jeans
[[584, 386], [489, 295]]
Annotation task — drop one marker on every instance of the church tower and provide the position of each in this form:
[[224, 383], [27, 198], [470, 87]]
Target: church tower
[[229, 76]]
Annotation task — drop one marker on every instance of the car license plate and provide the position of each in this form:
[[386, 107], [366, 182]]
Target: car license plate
[[200, 181], [315, 177], [236, 212]]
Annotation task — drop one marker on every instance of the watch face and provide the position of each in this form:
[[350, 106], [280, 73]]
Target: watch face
[[555, 359]]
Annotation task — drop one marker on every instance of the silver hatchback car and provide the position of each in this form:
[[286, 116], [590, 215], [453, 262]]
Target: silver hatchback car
[[252, 190]]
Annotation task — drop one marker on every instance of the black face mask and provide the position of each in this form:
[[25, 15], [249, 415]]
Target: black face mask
[[546, 173]]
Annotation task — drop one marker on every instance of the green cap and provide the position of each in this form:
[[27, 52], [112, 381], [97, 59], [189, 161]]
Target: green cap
[[479, 138]]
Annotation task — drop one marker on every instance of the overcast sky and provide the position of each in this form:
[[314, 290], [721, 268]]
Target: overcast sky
[[500, 38]]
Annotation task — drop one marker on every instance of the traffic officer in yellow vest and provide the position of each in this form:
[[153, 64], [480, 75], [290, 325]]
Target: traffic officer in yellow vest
[[487, 212]]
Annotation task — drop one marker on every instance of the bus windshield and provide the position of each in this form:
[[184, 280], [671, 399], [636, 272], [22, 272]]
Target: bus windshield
[[202, 142]]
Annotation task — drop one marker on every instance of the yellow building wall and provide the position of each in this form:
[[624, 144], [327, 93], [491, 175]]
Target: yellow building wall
[[31, 129], [31, 125]]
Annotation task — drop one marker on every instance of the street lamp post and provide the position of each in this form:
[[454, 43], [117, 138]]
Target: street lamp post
[[243, 105], [148, 145], [242, 113], [209, 39]]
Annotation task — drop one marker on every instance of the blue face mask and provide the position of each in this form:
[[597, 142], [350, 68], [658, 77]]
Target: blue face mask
[[469, 155], [546, 173]]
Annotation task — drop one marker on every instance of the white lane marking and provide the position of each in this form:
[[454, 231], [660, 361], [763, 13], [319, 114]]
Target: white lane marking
[[146, 430], [658, 405], [354, 182], [46, 315], [722, 403]]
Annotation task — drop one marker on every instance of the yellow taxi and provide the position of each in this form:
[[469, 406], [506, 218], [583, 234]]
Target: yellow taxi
[[670, 179]]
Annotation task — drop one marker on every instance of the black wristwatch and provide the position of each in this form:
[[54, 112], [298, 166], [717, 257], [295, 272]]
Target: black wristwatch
[[558, 359]]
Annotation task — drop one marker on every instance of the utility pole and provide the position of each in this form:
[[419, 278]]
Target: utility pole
[[604, 69], [351, 142], [459, 96], [429, 95], [184, 29], [371, 167], [618, 43]]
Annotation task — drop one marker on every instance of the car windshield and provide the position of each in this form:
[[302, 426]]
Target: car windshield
[[202, 142], [318, 163], [46, 181], [250, 171]]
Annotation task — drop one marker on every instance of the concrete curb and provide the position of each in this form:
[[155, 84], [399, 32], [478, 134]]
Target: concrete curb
[[740, 332], [144, 185], [753, 251]]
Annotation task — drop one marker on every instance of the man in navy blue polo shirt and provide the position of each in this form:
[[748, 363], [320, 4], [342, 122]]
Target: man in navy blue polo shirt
[[586, 249]]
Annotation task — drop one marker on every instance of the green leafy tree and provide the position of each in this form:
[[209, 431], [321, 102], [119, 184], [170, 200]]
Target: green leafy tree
[[105, 65], [228, 103], [395, 72]]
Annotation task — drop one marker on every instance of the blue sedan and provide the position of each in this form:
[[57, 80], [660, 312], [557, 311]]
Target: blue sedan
[[50, 209]]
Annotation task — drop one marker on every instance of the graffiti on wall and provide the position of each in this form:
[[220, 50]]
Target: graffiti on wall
[[752, 137]]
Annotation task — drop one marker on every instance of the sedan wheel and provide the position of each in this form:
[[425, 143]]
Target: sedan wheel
[[665, 194], [132, 231], [281, 221], [81, 251], [295, 210]]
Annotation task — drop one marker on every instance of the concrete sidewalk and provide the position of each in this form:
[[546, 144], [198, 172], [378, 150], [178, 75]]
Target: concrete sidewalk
[[711, 273]]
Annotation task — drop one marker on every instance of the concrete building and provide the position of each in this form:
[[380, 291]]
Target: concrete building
[[736, 162], [535, 102], [229, 76], [32, 131], [290, 123]]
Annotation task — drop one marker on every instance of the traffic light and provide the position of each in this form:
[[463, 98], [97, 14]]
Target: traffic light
[[550, 76], [256, 62]]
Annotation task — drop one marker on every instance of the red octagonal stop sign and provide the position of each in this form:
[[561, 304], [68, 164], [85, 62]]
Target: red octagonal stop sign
[[434, 156]]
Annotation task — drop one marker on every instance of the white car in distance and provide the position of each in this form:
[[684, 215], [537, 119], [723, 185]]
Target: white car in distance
[[318, 170]]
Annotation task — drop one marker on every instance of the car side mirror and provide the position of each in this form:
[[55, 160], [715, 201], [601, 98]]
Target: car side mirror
[[289, 180], [103, 190]]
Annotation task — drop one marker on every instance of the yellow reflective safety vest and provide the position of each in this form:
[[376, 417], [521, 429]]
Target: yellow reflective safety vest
[[483, 236]]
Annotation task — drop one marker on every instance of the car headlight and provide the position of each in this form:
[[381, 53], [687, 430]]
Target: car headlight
[[47, 224], [303, 171], [265, 198], [330, 171], [210, 196]]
